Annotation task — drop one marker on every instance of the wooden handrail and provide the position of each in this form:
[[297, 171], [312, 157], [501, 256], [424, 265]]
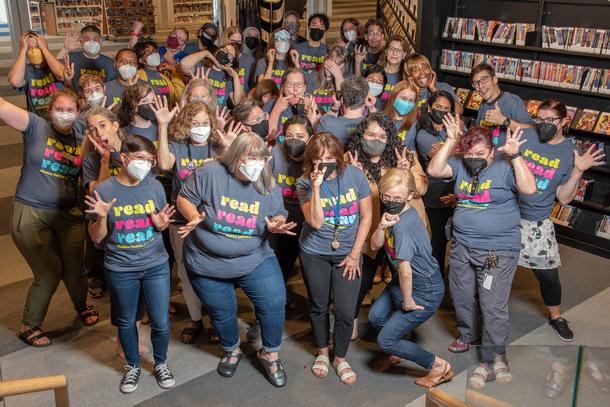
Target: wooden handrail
[[58, 384], [476, 399], [439, 398]]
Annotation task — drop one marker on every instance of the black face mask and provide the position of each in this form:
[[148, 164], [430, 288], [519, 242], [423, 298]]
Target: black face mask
[[316, 34], [208, 43], [475, 165], [146, 112], [546, 131], [251, 42], [437, 116], [262, 129], [223, 58], [393, 208], [330, 167], [299, 109], [295, 147]]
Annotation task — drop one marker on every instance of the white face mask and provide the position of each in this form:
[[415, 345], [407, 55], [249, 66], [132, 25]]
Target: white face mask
[[282, 47], [139, 169], [63, 120], [127, 71], [375, 89], [200, 134], [153, 59], [95, 99], [92, 47], [350, 35], [252, 169]]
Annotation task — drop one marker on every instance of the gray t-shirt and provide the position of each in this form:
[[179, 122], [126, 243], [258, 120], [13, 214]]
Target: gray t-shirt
[[284, 116], [552, 166], [287, 173], [340, 127], [232, 239], [114, 92], [437, 187], [425, 94], [408, 240], [311, 59], [279, 68], [39, 85], [354, 187], [247, 65], [512, 107], [102, 66], [487, 218], [51, 166], [188, 158], [93, 162], [159, 83], [407, 136], [222, 84], [393, 79], [133, 243], [150, 132]]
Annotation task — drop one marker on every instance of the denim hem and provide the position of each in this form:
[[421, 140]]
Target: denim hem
[[272, 348], [231, 348]]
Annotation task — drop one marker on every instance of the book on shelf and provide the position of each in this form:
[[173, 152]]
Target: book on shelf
[[487, 30], [505, 34], [603, 227], [578, 39], [585, 189], [603, 124], [604, 85], [565, 215], [572, 110], [474, 101], [532, 106], [462, 95], [587, 120]]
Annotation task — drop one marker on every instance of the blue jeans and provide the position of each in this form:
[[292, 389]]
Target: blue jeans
[[393, 323], [264, 286], [125, 289]]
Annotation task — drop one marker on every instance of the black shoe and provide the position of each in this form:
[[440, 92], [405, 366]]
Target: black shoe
[[277, 378], [130, 379], [227, 369], [562, 329], [164, 376]]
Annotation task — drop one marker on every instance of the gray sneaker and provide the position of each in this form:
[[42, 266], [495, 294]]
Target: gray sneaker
[[164, 376], [130, 379]]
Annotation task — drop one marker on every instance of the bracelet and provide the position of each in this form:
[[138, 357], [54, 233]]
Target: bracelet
[[134, 34], [350, 256], [513, 156]]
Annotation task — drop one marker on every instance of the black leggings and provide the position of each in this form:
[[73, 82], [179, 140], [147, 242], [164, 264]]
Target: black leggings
[[438, 219], [369, 266], [550, 286]]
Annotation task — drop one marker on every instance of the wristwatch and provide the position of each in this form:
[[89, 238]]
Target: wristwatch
[[513, 156], [506, 123]]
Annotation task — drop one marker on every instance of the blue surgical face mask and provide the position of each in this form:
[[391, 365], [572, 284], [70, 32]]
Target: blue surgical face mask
[[403, 107]]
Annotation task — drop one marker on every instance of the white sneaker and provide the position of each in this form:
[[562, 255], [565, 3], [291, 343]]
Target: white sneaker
[[164, 376], [130, 379]]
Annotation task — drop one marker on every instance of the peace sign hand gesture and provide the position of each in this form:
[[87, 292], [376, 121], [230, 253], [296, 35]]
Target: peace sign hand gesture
[[317, 175], [97, 206], [513, 142], [68, 69], [402, 158], [201, 73], [353, 160]]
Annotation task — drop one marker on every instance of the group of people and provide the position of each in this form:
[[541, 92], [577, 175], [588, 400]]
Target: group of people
[[235, 163]]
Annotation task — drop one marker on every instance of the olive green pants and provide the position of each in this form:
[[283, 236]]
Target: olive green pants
[[51, 241]]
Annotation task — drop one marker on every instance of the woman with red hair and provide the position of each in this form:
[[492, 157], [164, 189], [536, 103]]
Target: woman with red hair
[[486, 238], [402, 108]]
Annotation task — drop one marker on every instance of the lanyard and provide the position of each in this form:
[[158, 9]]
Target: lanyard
[[191, 165], [336, 203]]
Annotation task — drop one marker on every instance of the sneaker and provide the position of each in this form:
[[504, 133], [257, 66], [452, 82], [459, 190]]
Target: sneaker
[[562, 329], [254, 332], [130, 379], [164, 376]]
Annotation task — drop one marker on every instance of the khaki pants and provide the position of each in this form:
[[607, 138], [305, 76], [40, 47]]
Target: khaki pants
[[51, 241]]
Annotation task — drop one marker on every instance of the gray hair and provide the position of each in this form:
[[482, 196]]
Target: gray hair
[[101, 111], [341, 54], [354, 92], [196, 83], [251, 144], [242, 110]]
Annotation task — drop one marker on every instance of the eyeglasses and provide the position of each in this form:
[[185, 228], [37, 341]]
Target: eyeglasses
[[483, 81], [375, 136], [153, 162], [258, 119], [396, 199], [297, 85], [548, 120], [395, 50], [375, 34]]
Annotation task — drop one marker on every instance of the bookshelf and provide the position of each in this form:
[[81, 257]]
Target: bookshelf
[[582, 232], [192, 13], [401, 18], [72, 15], [122, 13]]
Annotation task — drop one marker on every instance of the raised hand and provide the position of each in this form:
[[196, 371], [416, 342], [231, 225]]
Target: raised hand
[[282, 103], [353, 160], [42, 41], [101, 150], [435, 149], [336, 103], [71, 41], [590, 158], [162, 219], [432, 82], [410, 305], [68, 69], [221, 117], [97, 206], [162, 113], [351, 267], [387, 220], [271, 56], [495, 115], [513, 142], [234, 130], [278, 225], [317, 175], [183, 231], [137, 27], [313, 113], [23, 43], [201, 73], [360, 54], [294, 55], [403, 159], [452, 126], [333, 68]]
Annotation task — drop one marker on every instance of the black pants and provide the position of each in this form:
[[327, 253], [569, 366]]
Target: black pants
[[321, 275], [438, 218], [369, 266], [94, 264], [287, 251], [550, 286]]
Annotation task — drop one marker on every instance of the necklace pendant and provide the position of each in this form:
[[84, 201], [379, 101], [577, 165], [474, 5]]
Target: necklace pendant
[[335, 245]]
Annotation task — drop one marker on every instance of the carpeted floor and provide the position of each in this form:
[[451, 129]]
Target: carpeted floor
[[88, 358]]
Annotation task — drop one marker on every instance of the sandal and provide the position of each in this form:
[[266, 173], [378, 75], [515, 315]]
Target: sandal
[[191, 332], [96, 292], [345, 372], [385, 363], [88, 314], [321, 363], [501, 371], [277, 378], [429, 381], [32, 335], [480, 376], [213, 337]]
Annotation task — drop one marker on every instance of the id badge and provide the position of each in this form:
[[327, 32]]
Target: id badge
[[487, 280]]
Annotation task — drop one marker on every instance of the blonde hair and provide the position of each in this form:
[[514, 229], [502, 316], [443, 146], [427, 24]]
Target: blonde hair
[[199, 83], [251, 144], [395, 177], [182, 123], [101, 111]]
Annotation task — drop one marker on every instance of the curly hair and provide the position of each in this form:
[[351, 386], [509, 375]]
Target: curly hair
[[183, 121], [475, 135], [131, 99], [197, 83], [388, 157]]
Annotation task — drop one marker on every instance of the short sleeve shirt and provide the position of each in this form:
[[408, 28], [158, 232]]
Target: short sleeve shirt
[[287, 173], [102, 66], [512, 107], [39, 85]]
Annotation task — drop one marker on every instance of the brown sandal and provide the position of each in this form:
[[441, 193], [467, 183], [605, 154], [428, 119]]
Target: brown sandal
[[385, 363], [32, 335], [433, 381], [87, 314]]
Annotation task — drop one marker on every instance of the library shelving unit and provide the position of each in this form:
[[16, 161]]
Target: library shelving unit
[[72, 15], [555, 13], [192, 14], [401, 17], [121, 14]]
